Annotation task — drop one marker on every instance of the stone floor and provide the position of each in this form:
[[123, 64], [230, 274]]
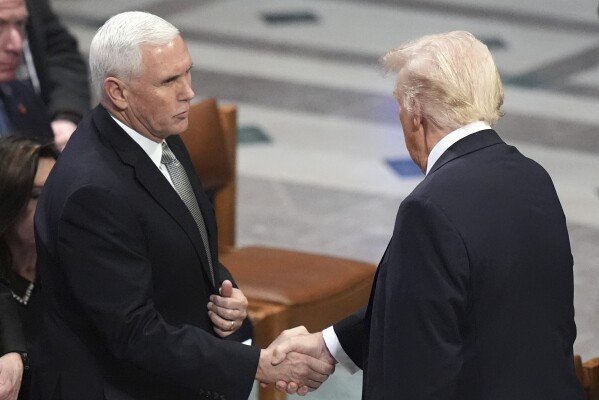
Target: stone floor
[[322, 130]]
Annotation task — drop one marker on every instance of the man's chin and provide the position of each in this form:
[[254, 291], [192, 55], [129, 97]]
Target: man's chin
[[7, 75], [182, 126]]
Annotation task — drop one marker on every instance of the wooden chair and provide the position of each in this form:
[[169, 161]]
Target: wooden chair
[[284, 288], [588, 374]]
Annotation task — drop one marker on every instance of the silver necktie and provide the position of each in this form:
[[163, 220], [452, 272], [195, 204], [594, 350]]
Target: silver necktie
[[185, 191]]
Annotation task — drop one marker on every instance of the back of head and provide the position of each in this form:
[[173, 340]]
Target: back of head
[[115, 49], [450, 79]]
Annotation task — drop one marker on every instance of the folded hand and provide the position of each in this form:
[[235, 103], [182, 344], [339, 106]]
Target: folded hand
[[227, 311]]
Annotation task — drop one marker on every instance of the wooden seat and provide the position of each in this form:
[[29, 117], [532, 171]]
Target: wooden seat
[[588, 374], [284, 288]]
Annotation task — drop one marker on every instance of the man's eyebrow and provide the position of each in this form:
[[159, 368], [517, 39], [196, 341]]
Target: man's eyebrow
[[170, 78], [174, 77]]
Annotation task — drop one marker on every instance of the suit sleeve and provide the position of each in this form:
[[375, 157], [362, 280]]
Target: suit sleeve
[[351, 334], [419, 308], [61, 68], [101, 248], [11, 331]]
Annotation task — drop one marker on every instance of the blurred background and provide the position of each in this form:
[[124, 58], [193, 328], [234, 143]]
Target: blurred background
[[321, 159]]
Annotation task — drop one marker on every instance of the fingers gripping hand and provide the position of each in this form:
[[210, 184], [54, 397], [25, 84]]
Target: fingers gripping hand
[[306, 373], [303, 342], [310, 344], [301, 372], [228, 310], [286, 335]]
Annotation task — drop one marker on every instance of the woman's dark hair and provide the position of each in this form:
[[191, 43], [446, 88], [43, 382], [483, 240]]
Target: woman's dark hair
[[19, 158]]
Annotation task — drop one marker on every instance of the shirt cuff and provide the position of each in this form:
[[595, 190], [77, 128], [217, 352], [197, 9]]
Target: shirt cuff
[[332, 342]]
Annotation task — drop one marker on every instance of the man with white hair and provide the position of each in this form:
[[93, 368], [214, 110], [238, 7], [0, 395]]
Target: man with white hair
[[138, 305], [473, 298]]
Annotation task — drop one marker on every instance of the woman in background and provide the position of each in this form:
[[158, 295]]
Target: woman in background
[[24, 167]]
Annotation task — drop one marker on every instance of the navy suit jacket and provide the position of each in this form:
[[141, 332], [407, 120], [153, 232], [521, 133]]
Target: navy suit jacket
[[26, 111], [125, 279], [473, 298]]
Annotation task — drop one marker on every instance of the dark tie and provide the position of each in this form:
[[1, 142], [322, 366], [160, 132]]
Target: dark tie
[[185, 191]]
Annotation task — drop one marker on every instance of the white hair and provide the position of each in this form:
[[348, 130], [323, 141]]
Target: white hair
[[115, 49], [450, 79]]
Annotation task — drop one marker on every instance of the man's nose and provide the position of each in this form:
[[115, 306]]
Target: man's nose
[[188, 92], [15, 38]]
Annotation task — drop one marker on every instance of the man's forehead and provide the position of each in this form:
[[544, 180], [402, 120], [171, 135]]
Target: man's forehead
[[10, 7], [174, 53], [155, 49]]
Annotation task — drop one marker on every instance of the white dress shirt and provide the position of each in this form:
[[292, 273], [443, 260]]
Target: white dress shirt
[[330, 338], [451, 138], [150, 147]]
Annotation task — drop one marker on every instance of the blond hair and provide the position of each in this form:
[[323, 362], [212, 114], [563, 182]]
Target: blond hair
[[450, 79]]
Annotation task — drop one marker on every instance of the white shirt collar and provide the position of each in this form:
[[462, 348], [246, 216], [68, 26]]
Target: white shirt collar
[[451, 138], [152, 149]]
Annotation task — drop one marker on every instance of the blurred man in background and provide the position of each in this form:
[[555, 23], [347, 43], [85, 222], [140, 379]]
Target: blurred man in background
[[43, 80]]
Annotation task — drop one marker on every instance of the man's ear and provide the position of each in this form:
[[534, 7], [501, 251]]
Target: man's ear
[[417, 119], [116, 91]]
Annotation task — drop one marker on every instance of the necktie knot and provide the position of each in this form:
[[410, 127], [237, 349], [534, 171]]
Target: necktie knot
[[167, 155]]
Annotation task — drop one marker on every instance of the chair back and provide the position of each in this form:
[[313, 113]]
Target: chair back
[[211, 140], [588, 374]]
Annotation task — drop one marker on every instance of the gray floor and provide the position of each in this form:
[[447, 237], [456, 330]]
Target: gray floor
[[319, 179]]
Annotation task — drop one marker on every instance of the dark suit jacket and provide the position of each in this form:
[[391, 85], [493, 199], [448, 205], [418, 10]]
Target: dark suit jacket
[[61, 70], [125, 279], [473, 298], [26, 112], [11, 332]]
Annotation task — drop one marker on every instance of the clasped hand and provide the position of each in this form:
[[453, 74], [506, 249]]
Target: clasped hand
[[227, 311], [297, 362]]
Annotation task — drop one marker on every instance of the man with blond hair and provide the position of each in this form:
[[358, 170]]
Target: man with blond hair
[[473, 298]]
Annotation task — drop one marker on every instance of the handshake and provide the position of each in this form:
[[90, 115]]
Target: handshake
[[296, 362]]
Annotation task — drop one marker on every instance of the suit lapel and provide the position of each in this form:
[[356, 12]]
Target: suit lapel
[[476, 141], [152, 180]]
